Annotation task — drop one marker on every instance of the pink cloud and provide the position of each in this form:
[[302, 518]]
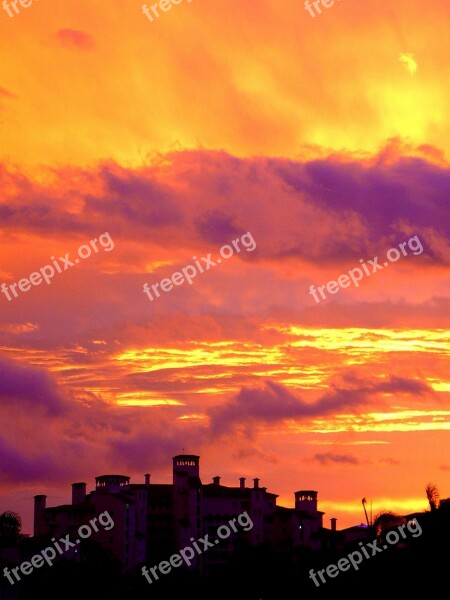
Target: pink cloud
[[72, 37], [6, 93]]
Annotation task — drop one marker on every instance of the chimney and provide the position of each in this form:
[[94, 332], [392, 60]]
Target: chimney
[[78, 493], [147, 479], [333, 524], [216, 480], [39, 521], [256, 483], [242, 483]]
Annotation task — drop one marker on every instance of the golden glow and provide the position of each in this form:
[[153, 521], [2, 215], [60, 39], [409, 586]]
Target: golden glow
[[373, 422], [353, 340], [192, 417], [257, 67], [353, 443], [214, 371], [18, 329], [408, 60], [157, 358], [157, 264], [406, 414], [144, 399], [401, 506], [440, 386]]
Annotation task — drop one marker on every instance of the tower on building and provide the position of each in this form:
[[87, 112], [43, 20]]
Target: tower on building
[[306, 500], [185, 465]]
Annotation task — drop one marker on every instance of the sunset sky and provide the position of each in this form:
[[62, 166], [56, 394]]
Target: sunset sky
[[326, 139]]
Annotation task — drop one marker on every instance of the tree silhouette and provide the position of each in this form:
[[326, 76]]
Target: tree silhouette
[[385, 520], [10, 527], [432, 496]]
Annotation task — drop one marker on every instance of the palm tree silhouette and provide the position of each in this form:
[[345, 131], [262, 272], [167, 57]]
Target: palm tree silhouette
[[386, 520], [432, 492], [10, 527]]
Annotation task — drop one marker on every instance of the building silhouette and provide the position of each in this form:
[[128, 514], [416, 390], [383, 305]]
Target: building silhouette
[[153, 521]]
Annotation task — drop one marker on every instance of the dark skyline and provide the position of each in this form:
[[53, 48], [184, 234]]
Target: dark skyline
[[226, 230]]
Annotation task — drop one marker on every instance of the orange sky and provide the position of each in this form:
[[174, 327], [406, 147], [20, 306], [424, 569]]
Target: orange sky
[[326, 139]]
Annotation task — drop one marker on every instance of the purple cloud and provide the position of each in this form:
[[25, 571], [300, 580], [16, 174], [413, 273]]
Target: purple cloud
[[274, 403], [30, 387], [17, 467], [289, 206], [327, 458]]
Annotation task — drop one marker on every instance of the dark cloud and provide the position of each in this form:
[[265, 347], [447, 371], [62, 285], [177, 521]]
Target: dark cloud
[[135, 197], [84, 432], [86, 435], [383, 193], [217, 227], [401, 384], [30, 388], [390, 384], [289, 206], [327, 458], [16, 467], [273, 403]]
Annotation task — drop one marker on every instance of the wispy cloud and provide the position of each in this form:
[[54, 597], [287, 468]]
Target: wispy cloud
[[409, 61], [327, 458]]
